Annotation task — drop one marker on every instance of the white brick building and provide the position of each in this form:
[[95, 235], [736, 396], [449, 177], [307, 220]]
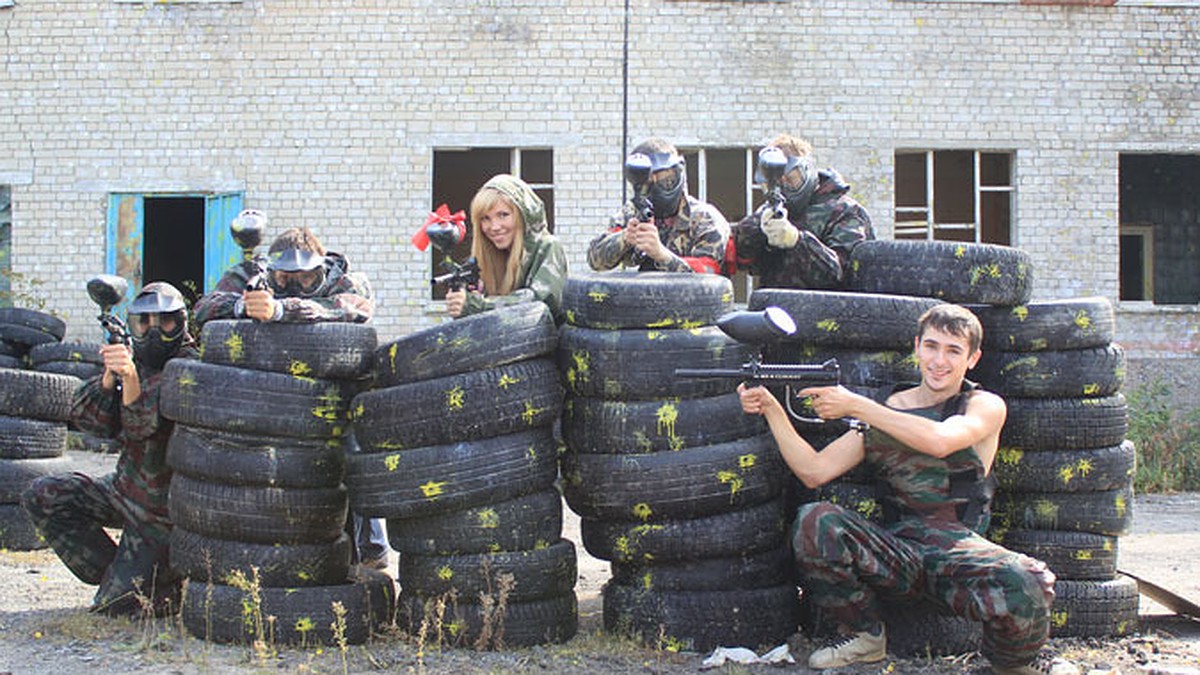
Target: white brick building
[[353, 118]]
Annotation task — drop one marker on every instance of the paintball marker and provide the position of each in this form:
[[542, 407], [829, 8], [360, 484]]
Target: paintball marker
[[764, 326], [772, 164], [447, 230], [637, 172], [247, 230], [107, 291]]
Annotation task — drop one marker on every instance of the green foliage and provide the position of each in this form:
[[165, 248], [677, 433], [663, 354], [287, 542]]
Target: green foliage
[[1167, 441]]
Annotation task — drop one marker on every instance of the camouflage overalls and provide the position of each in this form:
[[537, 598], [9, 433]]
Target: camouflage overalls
[[930, 547], [829, 228], [697, 237], [71, 510]]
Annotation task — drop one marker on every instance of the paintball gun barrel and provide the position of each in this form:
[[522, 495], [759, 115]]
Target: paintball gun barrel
[[247, 230], [771, 166], [107, 291], [637, 172], [447, 231]]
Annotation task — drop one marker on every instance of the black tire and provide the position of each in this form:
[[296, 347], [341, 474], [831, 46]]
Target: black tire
[[328, 350], [71, 352], [699, 621], [859, 367], [11, 362], [638, 365], [1109, 512], [691, 483], [504, 335], [525, 522], [204, 559], [757, 528], [1093, 372], [599, 426], [423, 482], [29, 327], [1094, 608], [302, 615], [41, 396], [17, 532], [17, 474], [22, 438], [623, 299], [464, 623], [960, 272], [1065, 423], [234, 399], [760, 569], [7, 349], [916, 630], [1085, 470], [847, 320], [1077, 323], [534, 574], [1070, 555], [469, 406], [251, 459], [82, 371], [257, 514]]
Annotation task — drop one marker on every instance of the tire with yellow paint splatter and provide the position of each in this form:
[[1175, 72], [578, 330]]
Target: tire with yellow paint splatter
[[463, 407], [985, 274], [1094, 608], [1107, 512], [228, 398], [748, 530], [1079, 470], [25, 328], [254, 459], [836, 319], [639, 364], [754, 569], [302, 615], [1054, 373], [1070, 555], [77, 359], [1074, 323], [255, 513], [596, 425], [524, 575], [465, 622], [694, 482], [627, 299], [525, 522], [1065, 423], [331, 350], [701, 620], [199, 558], [426, 481], [507, 334]]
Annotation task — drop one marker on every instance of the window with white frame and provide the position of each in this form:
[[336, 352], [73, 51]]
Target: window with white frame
[[724, 177], [954, 195]]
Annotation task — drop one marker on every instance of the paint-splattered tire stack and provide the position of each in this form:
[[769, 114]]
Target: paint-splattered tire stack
[[259, 464], [674, 485], [457, 451], [34, 409], [1065, 469]]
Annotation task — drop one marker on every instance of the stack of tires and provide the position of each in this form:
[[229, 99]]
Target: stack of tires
[[78, 359], [457, 451], [680, 490], [1064, 468], [257, 496], [34, 410]]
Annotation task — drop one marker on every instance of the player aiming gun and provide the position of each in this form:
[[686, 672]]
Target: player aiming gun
[[772, 164], [107, 291], [759, 328], [637, 172], [247, 230], [447, 230]]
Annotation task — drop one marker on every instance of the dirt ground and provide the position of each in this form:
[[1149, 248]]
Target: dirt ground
[[44, 627]]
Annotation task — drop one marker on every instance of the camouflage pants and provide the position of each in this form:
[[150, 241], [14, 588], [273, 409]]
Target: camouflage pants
[[71, 512], [849, 564]]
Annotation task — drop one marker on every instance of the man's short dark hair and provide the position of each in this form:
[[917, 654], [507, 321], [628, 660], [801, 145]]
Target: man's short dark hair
[[955, 320], [299, 238]]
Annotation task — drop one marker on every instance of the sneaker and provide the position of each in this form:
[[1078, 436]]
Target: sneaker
[[380, 563], [844, 650], [1046, 663]]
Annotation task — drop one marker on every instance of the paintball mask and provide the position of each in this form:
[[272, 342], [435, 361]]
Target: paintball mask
[[157, 324], [669, 183], [798, 183], [296, 274]]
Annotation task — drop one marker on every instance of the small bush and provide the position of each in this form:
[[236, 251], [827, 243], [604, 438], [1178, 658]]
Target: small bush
[[1167, 441]]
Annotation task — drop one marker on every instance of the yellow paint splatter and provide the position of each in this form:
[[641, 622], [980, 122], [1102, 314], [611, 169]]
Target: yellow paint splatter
[[392, 462], [488, 519], [1083, 320], [301, 370], [445, 573], [828, 325], [236, 347], [455, 398], [506, 381], [667, 414], [433, 489], [530, 416], [1021, 312], [598, 297], [747, 461], [643, 511]]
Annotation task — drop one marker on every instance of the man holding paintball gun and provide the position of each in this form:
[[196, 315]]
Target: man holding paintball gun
[[72, 510], [931, 446], [677, 233], [802, 235]]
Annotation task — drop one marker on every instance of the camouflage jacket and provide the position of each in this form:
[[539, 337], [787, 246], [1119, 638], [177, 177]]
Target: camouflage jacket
[[544, 263], [696, 236], [830, 228], [346, 296], [141, 475]]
